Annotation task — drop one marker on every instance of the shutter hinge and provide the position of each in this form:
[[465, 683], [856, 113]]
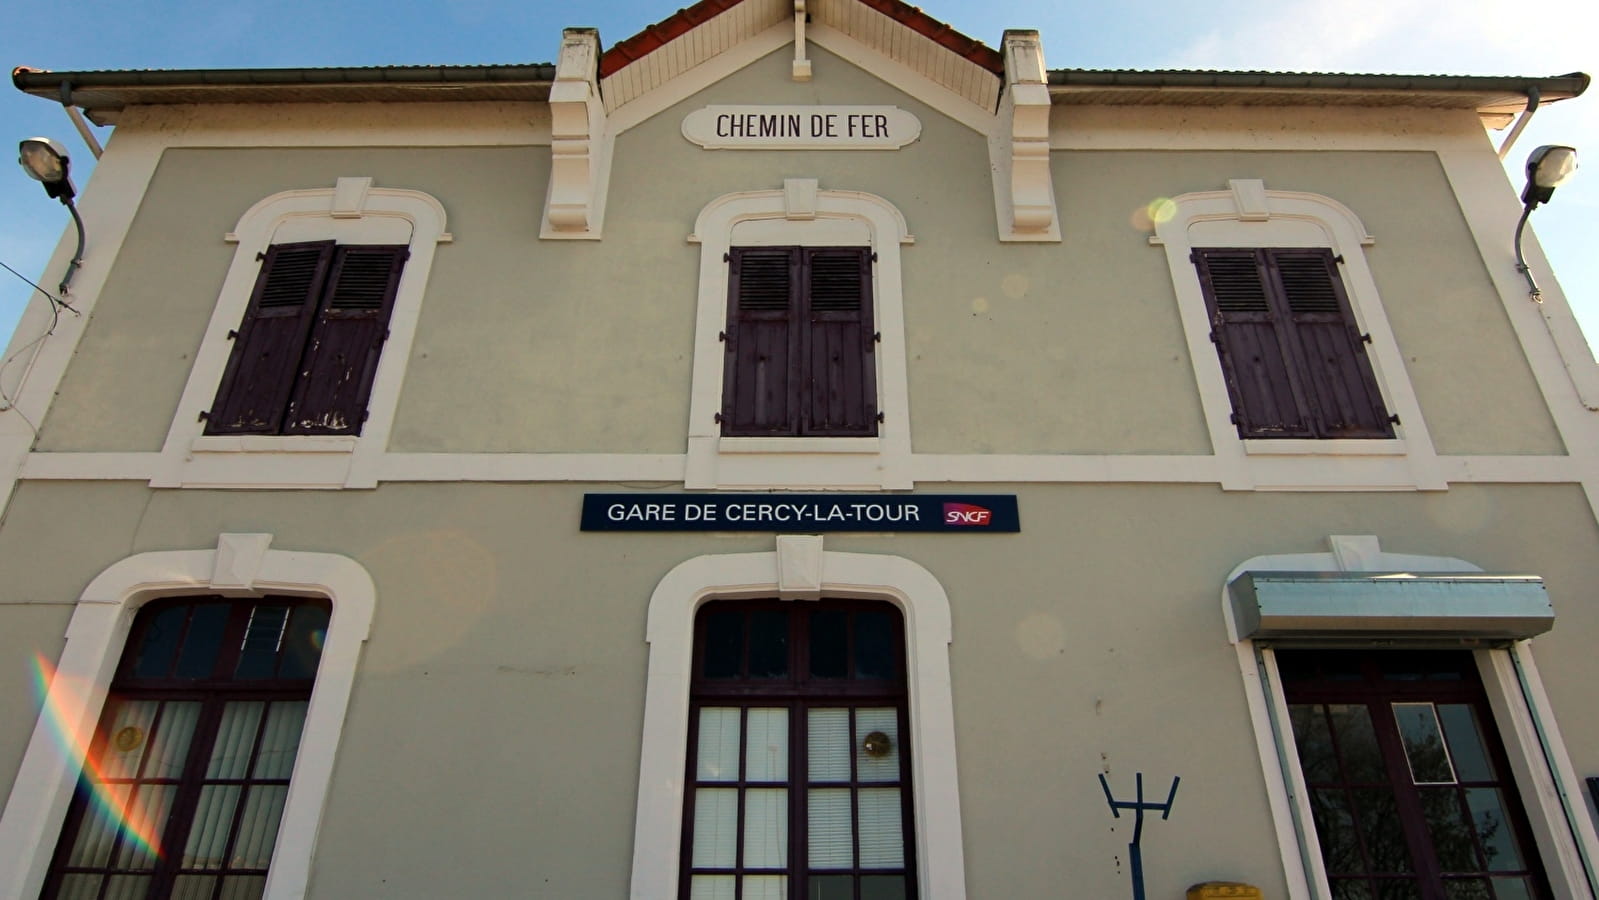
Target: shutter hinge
[[727, 257], [204, 416], [1233, 418], [1214, 339], [718, 418], [1193, 256], [1365, 338], [1339, 259], [721, 336], [385, 337], [260, 257], [232, 335], [1395, 419], [877, 337], [366, 414], [874, 256], [879, 418]]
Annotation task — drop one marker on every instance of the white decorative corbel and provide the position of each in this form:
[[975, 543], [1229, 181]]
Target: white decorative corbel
[[802, 66], [579, 146], [1019, 146]]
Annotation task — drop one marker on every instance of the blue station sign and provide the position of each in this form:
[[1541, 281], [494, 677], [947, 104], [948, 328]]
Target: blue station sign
[[965, 513]]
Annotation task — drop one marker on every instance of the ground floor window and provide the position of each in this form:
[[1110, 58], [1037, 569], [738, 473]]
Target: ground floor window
[[185, 781], [798, 764], [1409, 785]]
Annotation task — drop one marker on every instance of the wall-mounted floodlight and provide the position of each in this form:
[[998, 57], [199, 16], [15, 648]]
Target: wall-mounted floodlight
[[1549, 167], [46, 162]]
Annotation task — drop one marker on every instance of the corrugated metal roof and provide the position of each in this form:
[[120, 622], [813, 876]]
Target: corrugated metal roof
[[1488, 94], [102, 94]]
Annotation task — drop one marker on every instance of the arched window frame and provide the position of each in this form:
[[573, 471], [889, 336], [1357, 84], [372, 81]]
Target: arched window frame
[[353, 211], [798, 570], [1248, 214], [800, 214], [244, 566]]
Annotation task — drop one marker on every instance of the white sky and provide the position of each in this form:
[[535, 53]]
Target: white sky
[[1483, 37]]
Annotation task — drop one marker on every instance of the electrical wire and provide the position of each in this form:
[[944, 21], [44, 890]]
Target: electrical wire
[[7, 403]]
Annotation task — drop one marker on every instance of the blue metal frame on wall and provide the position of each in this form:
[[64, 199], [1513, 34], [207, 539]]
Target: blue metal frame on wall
[[969, 513]]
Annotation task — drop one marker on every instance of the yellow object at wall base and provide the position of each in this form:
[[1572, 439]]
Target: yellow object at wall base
[[1224, 890]]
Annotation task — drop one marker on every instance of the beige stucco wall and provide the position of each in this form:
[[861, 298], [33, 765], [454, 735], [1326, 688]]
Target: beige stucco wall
[[527, 345], [502, 685]]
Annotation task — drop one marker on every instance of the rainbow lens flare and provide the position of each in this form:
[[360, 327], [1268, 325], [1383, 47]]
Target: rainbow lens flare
[[58, 696]]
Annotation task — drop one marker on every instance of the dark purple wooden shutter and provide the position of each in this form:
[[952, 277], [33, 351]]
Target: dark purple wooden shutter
[[840, 371], [760, 388], [346, 341], [1255, 355], [259, 377], [1340, 382]]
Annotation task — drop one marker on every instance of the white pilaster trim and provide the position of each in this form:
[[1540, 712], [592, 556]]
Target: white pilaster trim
[[1018, 145], [1248, 214], [94, 643], [351, 212], [885, 465], [580, 144], [658, 825]]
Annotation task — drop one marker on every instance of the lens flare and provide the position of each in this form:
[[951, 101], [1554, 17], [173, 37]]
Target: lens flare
[[57, 697], [1161, 209]]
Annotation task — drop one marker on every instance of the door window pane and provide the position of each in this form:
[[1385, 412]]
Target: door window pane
[[718, 751], [766, 757], [1466, 747], [1424, 743]]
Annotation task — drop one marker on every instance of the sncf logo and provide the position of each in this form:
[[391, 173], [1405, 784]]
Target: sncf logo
[[967, 514]]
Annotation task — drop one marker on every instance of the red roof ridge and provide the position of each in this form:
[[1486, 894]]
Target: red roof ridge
[[653, 37]]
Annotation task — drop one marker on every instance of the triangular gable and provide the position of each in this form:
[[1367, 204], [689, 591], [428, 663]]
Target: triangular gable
[[902, 33]]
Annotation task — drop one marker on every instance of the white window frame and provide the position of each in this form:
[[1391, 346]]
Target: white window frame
[[1544, 776], [241, 566], [798, 570], [350, 212], [801, 214], [1250, 215]]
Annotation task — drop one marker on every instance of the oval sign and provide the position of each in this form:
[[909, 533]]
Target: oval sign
[[801, 127]]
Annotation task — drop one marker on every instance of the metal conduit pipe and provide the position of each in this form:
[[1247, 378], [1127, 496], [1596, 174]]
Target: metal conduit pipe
[[1521, 122]]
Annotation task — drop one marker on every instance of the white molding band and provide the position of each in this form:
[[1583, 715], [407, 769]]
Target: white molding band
[[350, 212], [801, 213], [1247, 214], [1522, 714], [241, 566], [658, 827]]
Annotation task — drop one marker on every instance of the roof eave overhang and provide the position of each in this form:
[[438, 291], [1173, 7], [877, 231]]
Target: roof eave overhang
[[1489, 96], [103, 95]]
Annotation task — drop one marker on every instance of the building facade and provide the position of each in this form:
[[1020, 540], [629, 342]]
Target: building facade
[[798, 451]]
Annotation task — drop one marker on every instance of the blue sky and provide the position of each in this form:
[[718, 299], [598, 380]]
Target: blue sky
[[1481, 37]]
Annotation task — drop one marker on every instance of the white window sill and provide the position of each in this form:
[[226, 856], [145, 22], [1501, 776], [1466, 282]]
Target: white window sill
[[1310, 447], [270, 443], [868, 445]]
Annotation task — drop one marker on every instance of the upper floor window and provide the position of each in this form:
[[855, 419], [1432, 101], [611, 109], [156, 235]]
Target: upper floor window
[[1294, 362], [799, 343], [187, 777], [306, 352]]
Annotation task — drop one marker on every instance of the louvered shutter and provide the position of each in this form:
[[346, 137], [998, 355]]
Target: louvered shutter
[[759, 386], [1255, 352], [840, 396], [259, 378], [341, 358], [1341, 386]]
